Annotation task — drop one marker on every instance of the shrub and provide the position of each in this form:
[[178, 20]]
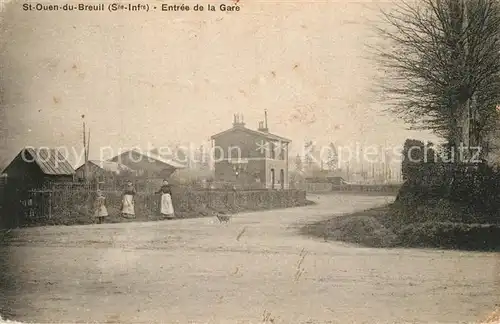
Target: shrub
[[365, 230], [418, 209], [451, 235], [387, 227]]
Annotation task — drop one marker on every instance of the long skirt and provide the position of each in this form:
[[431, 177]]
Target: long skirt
[[128, 206], [102, 211], [166, 205]]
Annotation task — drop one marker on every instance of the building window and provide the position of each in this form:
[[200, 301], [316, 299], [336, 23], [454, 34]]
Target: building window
[[272, 147], [273, 179], [283, 150], [218, 153], [234, 153], [282, 178]]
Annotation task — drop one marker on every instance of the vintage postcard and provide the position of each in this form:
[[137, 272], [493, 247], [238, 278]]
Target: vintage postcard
[[249, 161]]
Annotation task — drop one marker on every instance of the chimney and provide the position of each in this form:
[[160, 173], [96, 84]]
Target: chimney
[[263, 124], [238, 121]]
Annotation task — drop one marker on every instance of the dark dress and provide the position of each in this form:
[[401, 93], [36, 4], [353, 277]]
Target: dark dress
[[166, 207], [165, 189]]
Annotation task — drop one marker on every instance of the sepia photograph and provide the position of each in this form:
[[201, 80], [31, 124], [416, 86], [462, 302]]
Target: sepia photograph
[[250, 161]]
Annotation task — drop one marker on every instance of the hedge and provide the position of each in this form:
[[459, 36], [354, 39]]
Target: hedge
[[451, 236]]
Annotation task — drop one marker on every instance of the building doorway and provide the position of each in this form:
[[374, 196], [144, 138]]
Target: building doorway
[[282, 178]]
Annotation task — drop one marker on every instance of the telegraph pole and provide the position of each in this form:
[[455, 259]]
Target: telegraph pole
[[85, 151]]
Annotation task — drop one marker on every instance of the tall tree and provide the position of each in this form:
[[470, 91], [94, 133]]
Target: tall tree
[[333, 158], [443, 63], [309, 150], [299, 167], [204, 157]]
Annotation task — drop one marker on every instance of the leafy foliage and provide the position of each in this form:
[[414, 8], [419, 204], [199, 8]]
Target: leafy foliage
[[442, 59], [333, 158], [451, 235], [415, 153], [299, 167]]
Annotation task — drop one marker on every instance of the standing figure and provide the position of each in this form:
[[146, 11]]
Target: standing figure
[[128, 210], [100, 207], [166, 206]]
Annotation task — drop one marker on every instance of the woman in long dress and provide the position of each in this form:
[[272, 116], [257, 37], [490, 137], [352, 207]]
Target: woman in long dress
[[128, 210], [166, 206], [101, 211]]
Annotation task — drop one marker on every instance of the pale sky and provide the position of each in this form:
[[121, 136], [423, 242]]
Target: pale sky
[[162, 77]]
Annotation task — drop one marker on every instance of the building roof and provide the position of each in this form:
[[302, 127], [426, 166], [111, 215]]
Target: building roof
[[253, 132], [156, 157], [50, 161], [170, 162], [110, 166]]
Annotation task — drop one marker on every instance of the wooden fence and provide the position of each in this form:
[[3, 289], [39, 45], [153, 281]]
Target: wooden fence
[[322, 187], [388, 188], [73, 203]]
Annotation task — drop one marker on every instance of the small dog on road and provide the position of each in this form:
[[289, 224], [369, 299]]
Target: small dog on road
[[223, 218]]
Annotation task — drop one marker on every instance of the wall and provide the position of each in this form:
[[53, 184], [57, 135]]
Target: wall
[[22, 171], [318, 187], [255, 168], [277, 165], [93, 171], [389, 188], [245, 141]]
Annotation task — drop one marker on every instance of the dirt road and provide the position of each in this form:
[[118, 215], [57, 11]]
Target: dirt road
[[253, 270]]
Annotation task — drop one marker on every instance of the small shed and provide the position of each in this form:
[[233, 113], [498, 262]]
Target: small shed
[[32, 169], [37, 167]]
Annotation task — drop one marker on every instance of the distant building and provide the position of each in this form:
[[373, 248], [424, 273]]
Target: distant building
[[326, 176], [251, 157], [147, 164], [33, 168], [337, 180], [103, 170]]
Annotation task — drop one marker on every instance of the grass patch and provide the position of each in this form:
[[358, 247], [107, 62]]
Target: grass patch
[[384, 227], [365, 228]]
